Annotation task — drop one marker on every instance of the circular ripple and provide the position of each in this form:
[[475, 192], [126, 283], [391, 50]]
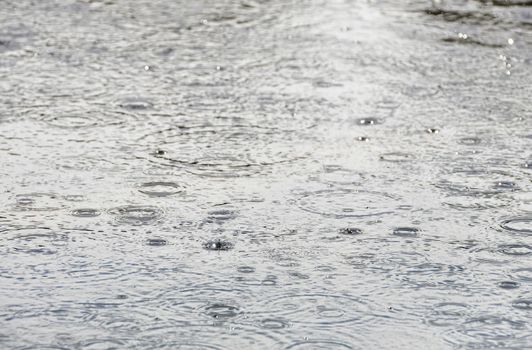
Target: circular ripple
[[136, 214], [469, 141], [245, 269], [448, 314], [520, 225], [221, 215], [324, 309], [222, 150], [523, 304], [396, 157], [221, 311], [156, 242], [348, 203], [33, 241], [160, 188], [84, 116], [523, 274], [38, 202], [515, 249], [273, 323], [85, 213], [135, 104], [406, 231], [318, 344], [508, 285]]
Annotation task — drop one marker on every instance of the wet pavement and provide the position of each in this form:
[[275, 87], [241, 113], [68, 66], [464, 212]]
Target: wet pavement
[[265, 174]]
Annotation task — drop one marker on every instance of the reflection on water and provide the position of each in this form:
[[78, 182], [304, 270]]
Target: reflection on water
[[265, 174]]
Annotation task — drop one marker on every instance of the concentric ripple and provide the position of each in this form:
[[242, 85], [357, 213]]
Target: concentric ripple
[[136, 214], [160, 188], [396, 157], [406, 232], [319, 344], [516, 249], [348, 203], [518, 225], [82, 116], [86, 213], [38, 202], [323, 309], [33, 241], [448, 314], [222, 150]]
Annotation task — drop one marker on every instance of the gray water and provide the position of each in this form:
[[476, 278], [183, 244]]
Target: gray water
[[263, 174]]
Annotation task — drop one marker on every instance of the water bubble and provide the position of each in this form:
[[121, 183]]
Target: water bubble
[[218, 245]]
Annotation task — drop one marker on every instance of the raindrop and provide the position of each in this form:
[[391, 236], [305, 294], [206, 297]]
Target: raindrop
[[367, 121], [505, 185], [221, 311], [218, 245], [351, 231]]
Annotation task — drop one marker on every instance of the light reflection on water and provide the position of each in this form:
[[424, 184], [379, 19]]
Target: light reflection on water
[[190, 175]]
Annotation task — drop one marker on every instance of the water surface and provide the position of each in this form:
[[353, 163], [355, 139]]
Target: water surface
[[265, 174]]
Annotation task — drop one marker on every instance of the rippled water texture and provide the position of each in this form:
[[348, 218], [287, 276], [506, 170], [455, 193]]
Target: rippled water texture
[[265, 174]]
